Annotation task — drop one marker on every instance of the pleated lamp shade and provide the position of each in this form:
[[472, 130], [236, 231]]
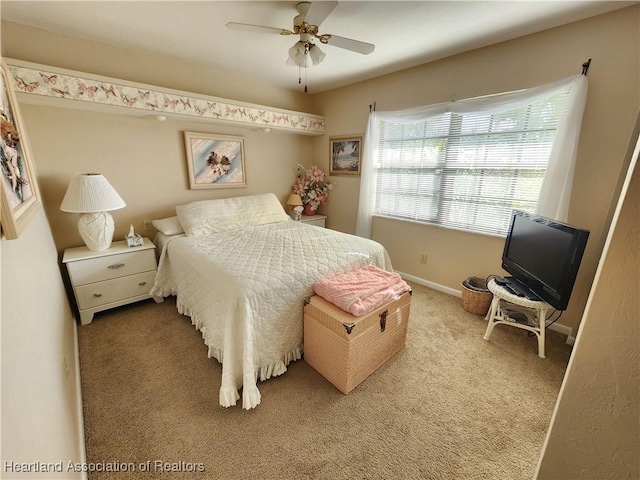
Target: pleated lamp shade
[[91, 192], [294, 200], [92, 196]]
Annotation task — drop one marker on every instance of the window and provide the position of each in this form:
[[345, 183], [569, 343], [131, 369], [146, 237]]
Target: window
[[466, 170]]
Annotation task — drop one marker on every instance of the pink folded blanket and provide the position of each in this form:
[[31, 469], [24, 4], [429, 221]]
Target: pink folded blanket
[[361, 291]]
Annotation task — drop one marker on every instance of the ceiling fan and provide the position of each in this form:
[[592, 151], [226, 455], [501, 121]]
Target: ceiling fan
[[304, 53]]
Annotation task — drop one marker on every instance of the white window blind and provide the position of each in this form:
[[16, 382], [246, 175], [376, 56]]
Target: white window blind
[[466, 170]]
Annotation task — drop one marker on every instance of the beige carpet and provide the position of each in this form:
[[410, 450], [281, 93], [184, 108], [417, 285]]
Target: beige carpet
[[447, 406]]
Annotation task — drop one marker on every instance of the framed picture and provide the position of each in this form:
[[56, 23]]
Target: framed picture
[[215, 161], [20, 194], [345, 155]]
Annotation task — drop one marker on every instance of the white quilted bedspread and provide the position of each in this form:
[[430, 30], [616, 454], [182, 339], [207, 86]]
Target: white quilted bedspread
[[244, 290]]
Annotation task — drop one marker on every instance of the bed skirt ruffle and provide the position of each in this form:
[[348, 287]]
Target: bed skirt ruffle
[[250, 393]]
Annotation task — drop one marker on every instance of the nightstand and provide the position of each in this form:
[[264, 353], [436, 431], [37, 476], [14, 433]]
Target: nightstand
[[110, 278], [317, 220]]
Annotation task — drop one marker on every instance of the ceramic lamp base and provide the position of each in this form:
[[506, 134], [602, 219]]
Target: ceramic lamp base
[[96, 229]]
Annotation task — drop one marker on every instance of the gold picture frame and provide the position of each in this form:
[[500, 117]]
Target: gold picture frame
[[20, 193], [215, 161], [345, 155]]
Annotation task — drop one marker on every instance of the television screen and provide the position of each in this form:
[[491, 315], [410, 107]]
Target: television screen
[[544, 255]]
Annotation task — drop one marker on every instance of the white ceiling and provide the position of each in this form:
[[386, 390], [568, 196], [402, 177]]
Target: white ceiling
[[405, 33]]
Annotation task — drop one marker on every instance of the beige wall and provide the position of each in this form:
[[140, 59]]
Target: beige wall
[[146, 163], [612, 41], [40, 413], [600, 395]]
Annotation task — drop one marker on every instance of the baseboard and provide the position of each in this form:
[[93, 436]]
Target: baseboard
[[556, 327], [563, 329], [427, 283], [82, 445]]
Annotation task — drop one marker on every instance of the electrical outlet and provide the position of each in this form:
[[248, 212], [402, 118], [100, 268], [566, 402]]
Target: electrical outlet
[[423, 258], [147, 224]]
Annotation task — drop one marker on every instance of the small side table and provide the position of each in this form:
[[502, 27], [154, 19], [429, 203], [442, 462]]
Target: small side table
[[110, 278], [509, 309], [317, 220]]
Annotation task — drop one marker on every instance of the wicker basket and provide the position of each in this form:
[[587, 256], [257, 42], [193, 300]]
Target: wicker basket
[[476, 298]]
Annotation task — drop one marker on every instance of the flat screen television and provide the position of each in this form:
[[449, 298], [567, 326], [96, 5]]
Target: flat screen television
[[543, 256]]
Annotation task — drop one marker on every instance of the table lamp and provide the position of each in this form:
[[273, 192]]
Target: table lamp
[[295, 201], [92, 196]]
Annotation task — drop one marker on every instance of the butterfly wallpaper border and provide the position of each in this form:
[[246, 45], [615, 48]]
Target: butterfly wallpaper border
[[61, 84], [20, 193], [215, 161]]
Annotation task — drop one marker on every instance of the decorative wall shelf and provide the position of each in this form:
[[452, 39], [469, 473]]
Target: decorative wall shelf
[[45, 85]]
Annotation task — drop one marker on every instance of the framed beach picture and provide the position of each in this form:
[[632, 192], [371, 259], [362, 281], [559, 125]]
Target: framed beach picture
[[215, 161], [20, 194], [345, 155]]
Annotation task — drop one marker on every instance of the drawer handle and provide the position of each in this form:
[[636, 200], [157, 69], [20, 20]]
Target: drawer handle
[[116, 265], [98, 294], [142, 283]]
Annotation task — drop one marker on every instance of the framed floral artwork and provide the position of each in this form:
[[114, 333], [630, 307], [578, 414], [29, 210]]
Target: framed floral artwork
[[20, 194], [215, 161], [345, 155]]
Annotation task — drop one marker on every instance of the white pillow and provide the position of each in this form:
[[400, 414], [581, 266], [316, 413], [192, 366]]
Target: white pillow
[[212, 216], [168, 226]]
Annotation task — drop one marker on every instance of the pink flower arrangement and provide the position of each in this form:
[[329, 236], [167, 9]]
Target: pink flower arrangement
[[312, 186]]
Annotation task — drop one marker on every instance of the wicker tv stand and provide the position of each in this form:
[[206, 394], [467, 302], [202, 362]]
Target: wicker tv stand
[[509, 309]]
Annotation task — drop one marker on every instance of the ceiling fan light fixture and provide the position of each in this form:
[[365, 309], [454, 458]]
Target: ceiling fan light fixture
[[316, 54], [305, 55], [296, 54]]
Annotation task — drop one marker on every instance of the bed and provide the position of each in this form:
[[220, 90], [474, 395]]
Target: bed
[[241, 271]]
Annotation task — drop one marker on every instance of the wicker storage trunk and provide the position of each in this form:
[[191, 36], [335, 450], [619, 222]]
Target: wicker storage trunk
[[347, 349]]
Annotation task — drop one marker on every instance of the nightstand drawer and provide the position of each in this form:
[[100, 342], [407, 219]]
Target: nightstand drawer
[[108, 267], [95, 294]]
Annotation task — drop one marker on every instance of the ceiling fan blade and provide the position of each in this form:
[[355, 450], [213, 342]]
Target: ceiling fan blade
[[319, 11], [349, 44], [258, 28]]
